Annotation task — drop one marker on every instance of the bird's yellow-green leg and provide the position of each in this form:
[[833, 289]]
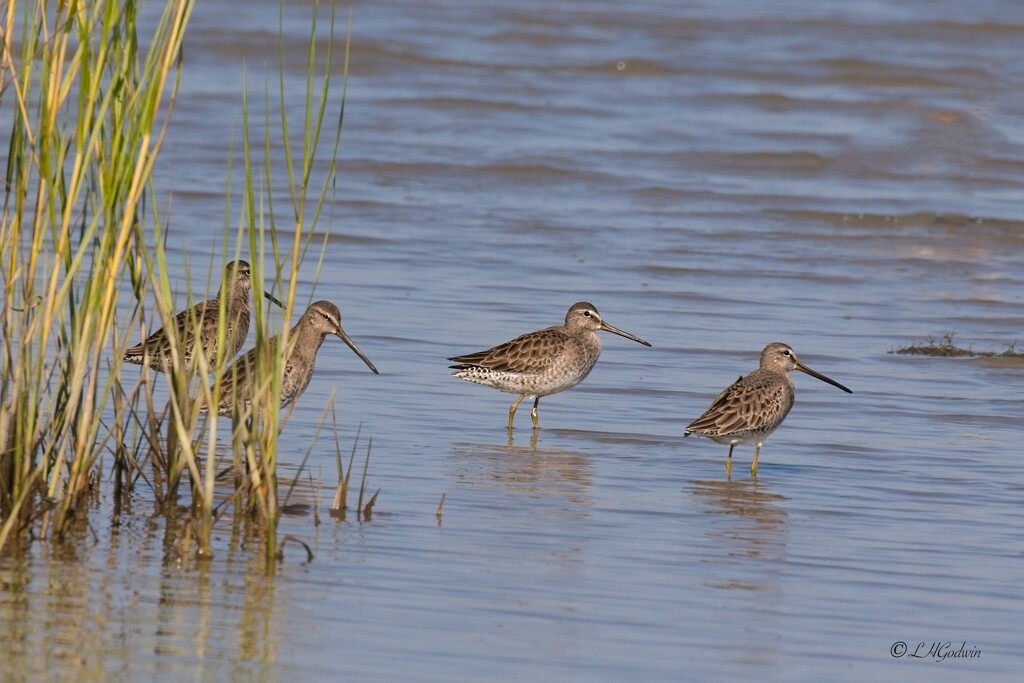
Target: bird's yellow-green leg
[[512, 411], [533, 414], [753, 464], [728, 463]]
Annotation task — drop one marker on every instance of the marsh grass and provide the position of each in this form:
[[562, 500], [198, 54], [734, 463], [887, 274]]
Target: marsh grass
[[305, 458], [945, 347], [88, 110], [255, 434], [88, 114], [339, 506], [366, 511], [440, 508]]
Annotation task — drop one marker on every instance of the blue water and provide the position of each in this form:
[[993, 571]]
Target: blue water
[[713, 176]]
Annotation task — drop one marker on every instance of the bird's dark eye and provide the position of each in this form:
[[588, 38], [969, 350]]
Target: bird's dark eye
[[587, 313]]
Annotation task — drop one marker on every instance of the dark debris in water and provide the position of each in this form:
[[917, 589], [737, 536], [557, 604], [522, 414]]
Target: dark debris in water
[[945, 348]]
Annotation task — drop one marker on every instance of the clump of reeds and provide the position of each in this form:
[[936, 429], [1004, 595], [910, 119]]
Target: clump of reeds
[[88, 113], [946, 348], [339, 506], [256, 435]]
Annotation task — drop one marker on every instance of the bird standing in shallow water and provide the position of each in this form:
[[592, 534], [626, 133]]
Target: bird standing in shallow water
[[238, 384], [197, 327], [754, 406], [541, 363]]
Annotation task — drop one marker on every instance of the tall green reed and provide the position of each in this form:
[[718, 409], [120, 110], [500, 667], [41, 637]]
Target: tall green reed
[[311, 168]]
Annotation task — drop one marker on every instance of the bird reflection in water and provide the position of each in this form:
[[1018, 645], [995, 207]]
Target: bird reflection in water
[[753, 524], [541, 473], [748, 528]]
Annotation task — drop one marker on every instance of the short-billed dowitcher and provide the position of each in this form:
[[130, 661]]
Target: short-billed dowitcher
[[238, 383], [754, 406], [197, 326], [541, 363]]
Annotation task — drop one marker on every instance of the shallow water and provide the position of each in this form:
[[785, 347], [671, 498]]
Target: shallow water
[[714, 177]]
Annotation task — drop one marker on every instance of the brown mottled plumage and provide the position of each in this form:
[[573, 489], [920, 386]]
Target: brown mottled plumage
[[197, 326], [541, 363], [754, 406], [238, 383]]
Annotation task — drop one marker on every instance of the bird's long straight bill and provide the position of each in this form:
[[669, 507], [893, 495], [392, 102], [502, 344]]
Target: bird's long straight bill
[[273, 299], [352, 345], [622, 333], [817, 375]]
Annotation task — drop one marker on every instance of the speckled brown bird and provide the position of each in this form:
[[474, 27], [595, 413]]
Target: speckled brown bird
[[541, 363], [754, 406], [238, 384], [197, 327]]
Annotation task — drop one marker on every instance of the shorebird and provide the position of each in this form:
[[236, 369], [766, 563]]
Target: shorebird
[[753, 407], [541, 363], [197, 327], [238, 384]]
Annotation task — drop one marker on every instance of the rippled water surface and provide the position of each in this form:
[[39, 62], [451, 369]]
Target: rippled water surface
[[714, 176]]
